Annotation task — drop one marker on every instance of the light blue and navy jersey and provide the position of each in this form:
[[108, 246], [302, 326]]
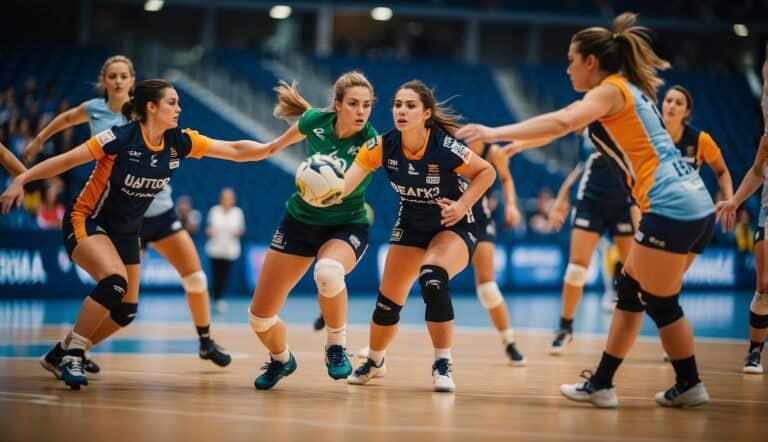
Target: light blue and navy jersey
[[420, 178], [601, 180], [129, 173], [637, 141]]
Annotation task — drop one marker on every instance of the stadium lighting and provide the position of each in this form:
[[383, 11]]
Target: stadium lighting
[[381, 13], [280, 12], [740, 30], [153, 5]]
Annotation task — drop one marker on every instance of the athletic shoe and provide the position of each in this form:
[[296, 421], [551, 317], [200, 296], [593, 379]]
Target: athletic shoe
[[677, 397], [563, 337], [89, 364], [366, 371], [319, 323], [52, 359], [274, 370], [587, 392], [71, 368], [752, 363], [217, 355], [441, 376], [337, 362], [515, 357]]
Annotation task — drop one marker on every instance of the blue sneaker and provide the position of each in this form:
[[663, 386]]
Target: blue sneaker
[[274, 371], [71, 368], [337, 362]]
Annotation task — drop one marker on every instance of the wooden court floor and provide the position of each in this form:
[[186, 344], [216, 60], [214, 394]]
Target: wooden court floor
[[141, 397]]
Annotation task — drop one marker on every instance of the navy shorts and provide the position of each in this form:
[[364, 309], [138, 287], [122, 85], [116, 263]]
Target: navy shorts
[[297, 238], [402, 235], [77, 227], [486, 229], [595, 217], [660, 232], [159, 227]]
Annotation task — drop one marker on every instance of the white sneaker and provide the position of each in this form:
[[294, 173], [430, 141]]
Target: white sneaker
[[692, 397], [585, 392], [752, 363], [441, 376], [367, 371], [563, 337]]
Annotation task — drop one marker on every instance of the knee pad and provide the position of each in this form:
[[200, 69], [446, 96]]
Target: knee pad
[[617, 271], [437, 297], [628, 294], [386, 311], [329, 277], [124, 313], [195, 282], [489, 295], [260, 325], [575, 275], [758, 321], [664, 310], [109, 291]]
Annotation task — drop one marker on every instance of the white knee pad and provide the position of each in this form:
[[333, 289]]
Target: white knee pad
[[329, 277], [575, 275], [260, 325], [759, 305], [489, 295], [195, 282]]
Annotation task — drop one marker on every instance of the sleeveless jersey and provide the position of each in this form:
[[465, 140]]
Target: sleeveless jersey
[[697, 147], [421, 179], [317, 126], [637, 141], [601, 180], [130, 172]]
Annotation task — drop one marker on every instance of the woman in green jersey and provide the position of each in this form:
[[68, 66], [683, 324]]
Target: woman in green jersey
[[336, 236]]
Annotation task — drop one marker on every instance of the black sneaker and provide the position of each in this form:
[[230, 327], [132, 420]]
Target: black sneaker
[[319, 323], [562, 338], [515, 357], [89, 364], [752, 363], [52, 359], [216, 354]]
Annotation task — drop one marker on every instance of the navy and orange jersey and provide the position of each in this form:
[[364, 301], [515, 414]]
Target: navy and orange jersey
[[637, 141], [601, 180], [697, 147], [420, 178], [128, 174], [482, 209]]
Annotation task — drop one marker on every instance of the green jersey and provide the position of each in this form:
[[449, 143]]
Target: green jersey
[[317, 126]]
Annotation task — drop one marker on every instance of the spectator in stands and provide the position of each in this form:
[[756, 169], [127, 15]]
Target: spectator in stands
[[539, 221], [189, 216], [226, 224], [51, 211]]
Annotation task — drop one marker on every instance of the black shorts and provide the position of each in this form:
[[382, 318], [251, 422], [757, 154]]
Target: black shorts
[[660, 232], [759, 234], [486, 229], [78, 227], [297, 238], [592, 216], [159, 227], [402, 235]]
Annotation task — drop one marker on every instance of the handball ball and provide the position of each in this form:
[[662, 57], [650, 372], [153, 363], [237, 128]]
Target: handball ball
[[320, 180]]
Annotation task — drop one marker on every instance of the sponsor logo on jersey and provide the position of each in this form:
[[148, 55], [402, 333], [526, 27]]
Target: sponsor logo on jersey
[[153, 160], [421, 193], [278, 240], [352, 151], [176, 225], [371, 144], [354, 241], [174, 153], [105, 137], [433, 174], [173, 164], [319, 133], [458, 148], [392, 165], [134, 182], [412, 170], [397, 235], [581, 222], [134, 153]]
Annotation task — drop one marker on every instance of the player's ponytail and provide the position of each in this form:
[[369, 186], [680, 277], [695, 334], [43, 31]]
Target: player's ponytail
[[290, 104], [442, 115], [146, 91]]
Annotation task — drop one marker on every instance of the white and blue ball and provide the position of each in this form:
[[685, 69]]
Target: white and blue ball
[[320, 180]]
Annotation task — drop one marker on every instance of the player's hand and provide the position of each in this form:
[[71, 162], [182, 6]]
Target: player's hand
[[511, 149], [31, 150], [13, 196], [725, 212], [512, 215], [471, 133], [557, 215], [453, 211]]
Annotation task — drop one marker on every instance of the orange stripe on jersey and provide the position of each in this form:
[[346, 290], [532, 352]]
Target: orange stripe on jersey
[[419, 153], [630, 136], [78, 225], [94, 189], [94, 146], [371, 155], [149, 145], [200, 143], [708, 151]]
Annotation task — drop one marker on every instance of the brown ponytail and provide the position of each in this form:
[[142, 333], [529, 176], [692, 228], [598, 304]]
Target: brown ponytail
[[290, 104]]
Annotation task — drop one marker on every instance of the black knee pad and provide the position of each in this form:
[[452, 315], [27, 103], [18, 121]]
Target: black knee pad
[[386, 311], [434, 289], [617, 271], [664, 310], [627, 292], [109, 291], [124, 313], [758, 321]]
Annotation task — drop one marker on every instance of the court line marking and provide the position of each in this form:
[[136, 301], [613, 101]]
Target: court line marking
[[346, 426]]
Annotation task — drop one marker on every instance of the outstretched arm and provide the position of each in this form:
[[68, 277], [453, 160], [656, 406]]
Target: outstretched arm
[[500, 161], [559, 211], [247, 150], [10, 162], [69, 118]]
